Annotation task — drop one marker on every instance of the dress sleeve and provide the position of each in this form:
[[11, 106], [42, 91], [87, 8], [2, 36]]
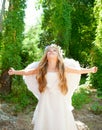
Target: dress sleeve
[[31, 81], [72, 79]]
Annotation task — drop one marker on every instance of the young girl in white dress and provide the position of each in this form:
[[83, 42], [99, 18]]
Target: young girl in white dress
[[53, 81]]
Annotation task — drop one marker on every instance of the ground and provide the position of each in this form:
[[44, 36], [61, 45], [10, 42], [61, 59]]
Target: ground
[[85, 119], [91, 120]]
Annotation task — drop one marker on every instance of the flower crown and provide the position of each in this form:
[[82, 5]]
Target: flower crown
[[57, 47]]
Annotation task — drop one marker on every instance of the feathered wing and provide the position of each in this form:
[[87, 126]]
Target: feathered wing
[[72, 79], [31, 81]]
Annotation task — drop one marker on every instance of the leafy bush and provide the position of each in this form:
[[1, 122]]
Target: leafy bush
[[80, 98], [20, 98]]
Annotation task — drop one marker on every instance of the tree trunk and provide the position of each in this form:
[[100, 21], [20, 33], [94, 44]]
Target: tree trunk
[[5, 82]]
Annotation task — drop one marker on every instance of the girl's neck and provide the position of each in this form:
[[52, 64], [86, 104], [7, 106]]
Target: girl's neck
[[52, 66]]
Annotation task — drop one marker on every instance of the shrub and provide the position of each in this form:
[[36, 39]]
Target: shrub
[[80, 98]]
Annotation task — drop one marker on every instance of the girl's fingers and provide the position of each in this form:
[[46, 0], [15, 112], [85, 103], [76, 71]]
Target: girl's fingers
[[11, 70], [95, 69]]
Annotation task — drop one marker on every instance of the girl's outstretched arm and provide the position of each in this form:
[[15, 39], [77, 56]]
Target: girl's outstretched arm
[[12, 71], [82, 70]]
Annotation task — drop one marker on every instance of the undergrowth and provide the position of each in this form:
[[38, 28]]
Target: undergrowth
[[81, 97], [20, 97]]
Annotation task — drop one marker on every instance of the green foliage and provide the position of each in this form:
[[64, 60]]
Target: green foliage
[[30, 50], [56, 23], [12, 34], [83, 31], [96, 54], [80, 98], [20, 98]]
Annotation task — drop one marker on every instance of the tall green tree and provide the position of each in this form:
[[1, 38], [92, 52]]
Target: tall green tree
[[96, 54], [56, 23], [12, 36], [11, 43], [83, 30]]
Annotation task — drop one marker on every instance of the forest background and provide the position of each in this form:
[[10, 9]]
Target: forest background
[[75, 25]]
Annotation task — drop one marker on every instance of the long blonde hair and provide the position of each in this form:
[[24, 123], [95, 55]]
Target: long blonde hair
[[43, 65]]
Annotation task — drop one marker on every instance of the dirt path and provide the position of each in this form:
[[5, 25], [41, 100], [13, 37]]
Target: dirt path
[[87, 119], [91, 120]]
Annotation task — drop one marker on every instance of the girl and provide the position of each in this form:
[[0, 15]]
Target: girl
[[53, 81]]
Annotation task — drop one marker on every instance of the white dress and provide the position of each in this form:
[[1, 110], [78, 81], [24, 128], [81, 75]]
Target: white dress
[[54, 110]]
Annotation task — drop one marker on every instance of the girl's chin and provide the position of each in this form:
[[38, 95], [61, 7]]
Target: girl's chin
[[51, 57]]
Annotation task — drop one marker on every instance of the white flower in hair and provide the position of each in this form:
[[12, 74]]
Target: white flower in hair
[[57, 47]]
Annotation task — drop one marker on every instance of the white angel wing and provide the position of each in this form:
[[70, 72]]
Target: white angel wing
[[31, 81], [72, 79]]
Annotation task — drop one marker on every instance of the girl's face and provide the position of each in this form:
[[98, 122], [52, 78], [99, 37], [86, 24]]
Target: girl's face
[[52, 53]]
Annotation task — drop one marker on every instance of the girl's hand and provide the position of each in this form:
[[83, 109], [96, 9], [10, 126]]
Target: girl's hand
[[94, 69], [11, 71]]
